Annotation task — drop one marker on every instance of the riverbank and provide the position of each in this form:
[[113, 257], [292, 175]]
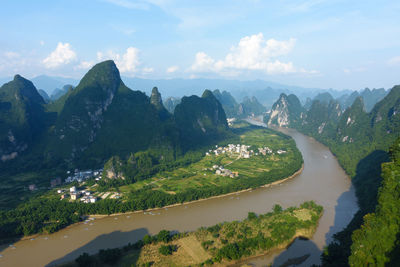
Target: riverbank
[[99, 216], [321, 180]]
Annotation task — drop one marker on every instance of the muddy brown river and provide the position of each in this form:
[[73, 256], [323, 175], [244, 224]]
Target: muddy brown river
[[322, 180]]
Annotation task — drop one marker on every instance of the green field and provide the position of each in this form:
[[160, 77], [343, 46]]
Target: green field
[[202, 174], [190, 180]]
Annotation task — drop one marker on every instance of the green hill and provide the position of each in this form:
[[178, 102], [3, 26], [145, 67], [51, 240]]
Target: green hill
[[361, 141], [22, 117], [228, 102], [250, 106], [101, 118], [200, 120], [286, 111]]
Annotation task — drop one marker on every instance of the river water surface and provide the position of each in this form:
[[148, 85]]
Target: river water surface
[[322, 180]]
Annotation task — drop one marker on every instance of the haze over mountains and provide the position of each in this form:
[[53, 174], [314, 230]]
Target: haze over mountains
[[81, 122], [265, 92]]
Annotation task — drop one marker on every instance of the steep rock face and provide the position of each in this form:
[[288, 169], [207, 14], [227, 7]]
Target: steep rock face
[[101, 117], [385, 116], [228, 103], [155, 98], [371, 97], [200, 119], [57, 93], [324, 98], [354, 123], [156, 101], [321, 118], [250, 106], [285, 112], [44, 95], [22, 117], [171, 102], [82, 114]]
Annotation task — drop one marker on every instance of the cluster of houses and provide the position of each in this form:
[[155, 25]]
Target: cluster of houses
[[264, 150], [242, 150], [81, 176], [219, 170], [83, 195]]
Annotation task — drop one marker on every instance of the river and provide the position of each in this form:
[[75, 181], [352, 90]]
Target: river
[[322, 180]]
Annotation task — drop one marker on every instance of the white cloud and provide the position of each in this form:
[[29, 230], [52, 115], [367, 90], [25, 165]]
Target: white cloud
[[127, 62], [42, 43], [147, 70], [172, 69], [252, 53], [62, 55], [203, 63], [85, 65], [394, 61]]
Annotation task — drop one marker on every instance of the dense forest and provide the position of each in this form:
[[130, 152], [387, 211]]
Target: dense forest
[[360, 140]]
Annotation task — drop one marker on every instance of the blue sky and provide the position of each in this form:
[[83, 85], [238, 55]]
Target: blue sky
[[311, 43]]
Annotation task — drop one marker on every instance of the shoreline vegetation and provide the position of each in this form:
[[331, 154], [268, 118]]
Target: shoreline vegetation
[[187, 184], [219, 245], [101, 216]]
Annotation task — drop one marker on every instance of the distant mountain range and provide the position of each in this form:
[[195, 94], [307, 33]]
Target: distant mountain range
[[265, 92]]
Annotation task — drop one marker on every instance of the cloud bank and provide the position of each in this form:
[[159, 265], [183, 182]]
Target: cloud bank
[[251, 53]]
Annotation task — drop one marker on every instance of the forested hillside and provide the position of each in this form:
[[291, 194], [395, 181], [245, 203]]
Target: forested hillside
[[361, 142], [99, 119]]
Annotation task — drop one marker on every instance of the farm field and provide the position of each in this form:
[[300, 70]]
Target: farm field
[[266, 168]]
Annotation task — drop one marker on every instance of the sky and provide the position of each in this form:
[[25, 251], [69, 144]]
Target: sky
[[311, 43]]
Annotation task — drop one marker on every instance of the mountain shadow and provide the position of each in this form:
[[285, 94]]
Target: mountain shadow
[[366, 182], [102, 242]]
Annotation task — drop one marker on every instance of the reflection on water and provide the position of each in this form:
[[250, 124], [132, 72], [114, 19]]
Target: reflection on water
[[322, 180]]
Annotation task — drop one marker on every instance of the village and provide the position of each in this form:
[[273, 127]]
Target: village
[[242, 151], [88, 194], [81, 176], [85, 195]]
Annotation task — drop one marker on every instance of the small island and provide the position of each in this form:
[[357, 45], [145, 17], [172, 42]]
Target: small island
[[218, 245]]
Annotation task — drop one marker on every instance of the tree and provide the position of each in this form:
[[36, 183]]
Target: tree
[[164, 236], [167, 250], [277, 208], [251, 216]]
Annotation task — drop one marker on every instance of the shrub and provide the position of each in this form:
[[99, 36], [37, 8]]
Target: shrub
[[167, 250]]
